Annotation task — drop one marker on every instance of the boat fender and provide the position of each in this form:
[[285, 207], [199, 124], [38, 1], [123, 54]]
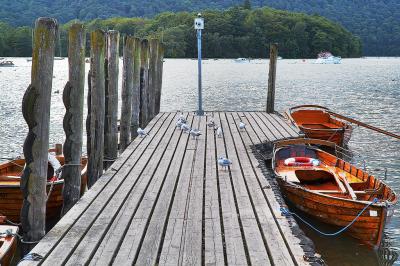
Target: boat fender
[[301, 161], [53, 161]]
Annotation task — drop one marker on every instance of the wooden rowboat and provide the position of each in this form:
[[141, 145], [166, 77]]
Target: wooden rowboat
[[316, 122], [11, 196], [8, 244], [333, 190]]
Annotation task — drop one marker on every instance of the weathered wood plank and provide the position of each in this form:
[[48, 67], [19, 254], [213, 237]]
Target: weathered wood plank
[[88, 216], [36, 112], [159, 69], [192, 250], [153, 75], [51, 239], [258, 253], [256, 123], [111, 99], [278, 133], [153, 240], [234, 243], [273, 125], [131, 198], [176, 222], [73, 98], [132, 219], [277, 248], [95, 124], [213, 243], [285, 123], [293, 243]]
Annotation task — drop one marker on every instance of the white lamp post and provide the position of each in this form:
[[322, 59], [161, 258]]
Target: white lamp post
[[199, 26]]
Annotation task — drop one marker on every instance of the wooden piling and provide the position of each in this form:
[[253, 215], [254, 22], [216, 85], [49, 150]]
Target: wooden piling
[[95, 125], [273, 56], [144, 83], [153, 62], [126, 93], [111, 99], [36, 112], [136, 89], [73, 98], [159, 70]]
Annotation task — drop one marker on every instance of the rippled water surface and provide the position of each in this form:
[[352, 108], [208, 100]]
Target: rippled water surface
[[366, 89]]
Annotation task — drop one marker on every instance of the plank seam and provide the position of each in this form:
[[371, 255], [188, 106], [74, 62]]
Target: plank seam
[[111, 178], [235, 201]]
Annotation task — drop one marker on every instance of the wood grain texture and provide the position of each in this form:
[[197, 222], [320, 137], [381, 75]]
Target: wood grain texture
[[273, 57], [73, 98], [111, 99], [95, 124], [170, 203], [144, 83], [136, 89], [36, 112], [127, 92]]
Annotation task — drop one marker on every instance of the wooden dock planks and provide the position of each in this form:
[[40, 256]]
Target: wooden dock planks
[[167, 201]]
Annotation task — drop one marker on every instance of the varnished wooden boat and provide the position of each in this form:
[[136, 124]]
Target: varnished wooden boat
[[317, 123], [331, 189], [11, 196], [8, 244]]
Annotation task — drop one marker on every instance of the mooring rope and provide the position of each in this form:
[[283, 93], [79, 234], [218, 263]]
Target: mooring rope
[[9, 232], [287, 212]]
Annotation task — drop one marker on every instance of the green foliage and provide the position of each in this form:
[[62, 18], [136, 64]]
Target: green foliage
[[236, 32], [375, 21], [247, 4]]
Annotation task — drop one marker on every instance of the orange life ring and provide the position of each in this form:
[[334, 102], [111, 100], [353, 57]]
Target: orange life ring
[[301, 161]]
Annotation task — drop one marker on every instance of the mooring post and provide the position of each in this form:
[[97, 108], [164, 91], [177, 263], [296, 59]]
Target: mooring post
[[273, 56], [36, 112], [136, 89], [153, 58], [144, 83], [160, 67], [95, 125], [73, 98], [126, 93], [111, 100]]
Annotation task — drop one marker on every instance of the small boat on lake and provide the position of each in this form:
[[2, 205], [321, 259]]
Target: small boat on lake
[[6, 63], [316, 122], [327, 58], [242, 60], [332, 190], [10, 189], [8, 243]]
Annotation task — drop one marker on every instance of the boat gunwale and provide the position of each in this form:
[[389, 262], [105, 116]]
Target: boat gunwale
[[291, 110]]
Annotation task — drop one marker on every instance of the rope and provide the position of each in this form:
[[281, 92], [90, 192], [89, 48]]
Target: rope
[[9, 232], [287, 212]]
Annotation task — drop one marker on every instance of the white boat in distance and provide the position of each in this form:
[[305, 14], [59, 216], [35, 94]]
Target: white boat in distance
[[242, 60], [5, 63], [328, 58]]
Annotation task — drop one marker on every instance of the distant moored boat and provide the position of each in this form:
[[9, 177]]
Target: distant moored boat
[[328, 58]]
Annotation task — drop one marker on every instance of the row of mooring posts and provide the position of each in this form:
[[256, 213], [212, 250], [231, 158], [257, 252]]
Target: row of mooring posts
[[141, 93]]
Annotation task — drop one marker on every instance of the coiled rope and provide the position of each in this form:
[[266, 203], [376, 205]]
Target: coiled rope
[[287, 212]]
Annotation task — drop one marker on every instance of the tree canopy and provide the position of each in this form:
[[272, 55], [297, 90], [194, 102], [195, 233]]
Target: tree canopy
[[236, 32], [376, 22]]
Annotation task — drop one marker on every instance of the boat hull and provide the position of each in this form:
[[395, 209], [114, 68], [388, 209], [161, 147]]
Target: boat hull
[[368, 228], [11, 198], [8, 245], [316, 123]]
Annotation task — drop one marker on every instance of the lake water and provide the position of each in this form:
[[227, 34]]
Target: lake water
[[365, 89]]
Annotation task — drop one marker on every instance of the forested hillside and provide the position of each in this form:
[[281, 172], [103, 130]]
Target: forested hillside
[[236, 32], [377, 22]]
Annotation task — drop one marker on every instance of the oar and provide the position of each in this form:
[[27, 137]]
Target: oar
[[351, 120]]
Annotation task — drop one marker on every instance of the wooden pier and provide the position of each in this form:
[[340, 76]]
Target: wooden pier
[[167, 201]]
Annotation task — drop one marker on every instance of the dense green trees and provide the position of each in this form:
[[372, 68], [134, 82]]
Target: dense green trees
[[375, 21], [236, 32]]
